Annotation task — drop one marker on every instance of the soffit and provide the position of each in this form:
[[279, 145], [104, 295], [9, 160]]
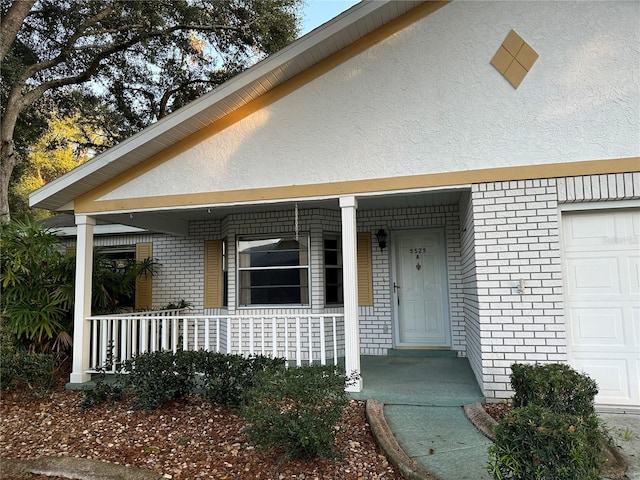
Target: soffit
[[175, 221]]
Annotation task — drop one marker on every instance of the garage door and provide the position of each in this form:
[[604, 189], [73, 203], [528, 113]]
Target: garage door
[[602, 277]]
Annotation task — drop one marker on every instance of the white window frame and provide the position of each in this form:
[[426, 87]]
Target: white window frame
[[337, 237], [239, 270]]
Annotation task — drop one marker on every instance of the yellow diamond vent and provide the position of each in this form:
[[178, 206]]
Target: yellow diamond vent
[[514, 58]]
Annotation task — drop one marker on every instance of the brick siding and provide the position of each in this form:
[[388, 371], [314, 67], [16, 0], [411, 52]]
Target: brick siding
[[501, 235]]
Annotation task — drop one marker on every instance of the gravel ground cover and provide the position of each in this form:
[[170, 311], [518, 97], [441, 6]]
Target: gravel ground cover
[[189, 439]]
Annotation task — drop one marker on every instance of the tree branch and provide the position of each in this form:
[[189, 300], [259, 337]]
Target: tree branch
[[69, 47], [11, 24]]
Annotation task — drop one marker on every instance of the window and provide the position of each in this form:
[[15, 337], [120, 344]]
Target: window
[[273, 271], [333, 292], [334, 289], [119, 259]]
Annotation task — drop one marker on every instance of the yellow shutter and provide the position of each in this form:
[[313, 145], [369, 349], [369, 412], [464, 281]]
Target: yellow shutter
[[365, 269], [213, 274], [144, 282], [71, 250]]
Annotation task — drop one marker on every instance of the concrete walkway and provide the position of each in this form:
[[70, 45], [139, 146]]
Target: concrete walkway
[[441, 439], [418, 419], [71, 467], [624, 428], [423, 398]]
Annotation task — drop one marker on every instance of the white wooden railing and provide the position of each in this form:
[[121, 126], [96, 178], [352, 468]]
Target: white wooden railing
[[317, 338]]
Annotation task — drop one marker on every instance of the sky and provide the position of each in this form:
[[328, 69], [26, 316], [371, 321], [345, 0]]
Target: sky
[[317, 12]]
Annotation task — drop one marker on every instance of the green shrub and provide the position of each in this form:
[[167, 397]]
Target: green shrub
[[158, 377], [297, 409], [32, 371], [554, 386], [227, 378], [538, 443], [103, 389], [100, 393]]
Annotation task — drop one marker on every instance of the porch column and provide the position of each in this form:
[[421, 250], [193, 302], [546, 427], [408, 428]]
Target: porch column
[[82, 307], [349, 206]]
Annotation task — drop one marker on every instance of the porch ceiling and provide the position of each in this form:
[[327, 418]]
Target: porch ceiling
[[176, 221]]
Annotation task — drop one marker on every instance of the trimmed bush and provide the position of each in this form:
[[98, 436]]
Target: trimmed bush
[[553, 431], [554, 386], [539, 443], [227, 378], [158, 377], [155, 378], [297, 409], [33, 371]]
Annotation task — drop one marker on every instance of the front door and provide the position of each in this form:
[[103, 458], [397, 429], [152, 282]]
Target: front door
[[420, 292]]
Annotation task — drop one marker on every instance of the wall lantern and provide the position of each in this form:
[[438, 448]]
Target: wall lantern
[[382, 239]]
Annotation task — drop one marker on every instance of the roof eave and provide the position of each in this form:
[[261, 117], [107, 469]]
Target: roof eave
[[288, 62]]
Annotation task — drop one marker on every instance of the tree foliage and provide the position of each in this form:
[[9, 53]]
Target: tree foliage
[[125, 63], [37, 281], [36, 292], [66, 143]]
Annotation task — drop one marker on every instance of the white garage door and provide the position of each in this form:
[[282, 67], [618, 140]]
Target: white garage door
[[602, 278]]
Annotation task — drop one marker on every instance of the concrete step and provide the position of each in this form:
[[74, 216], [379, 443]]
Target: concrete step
[[421, 352]]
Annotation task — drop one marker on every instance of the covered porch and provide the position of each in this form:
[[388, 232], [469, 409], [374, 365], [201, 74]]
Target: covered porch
[[425, 233]]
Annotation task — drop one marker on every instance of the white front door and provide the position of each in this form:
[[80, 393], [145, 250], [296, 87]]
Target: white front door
[[420, 292], [602, 280]]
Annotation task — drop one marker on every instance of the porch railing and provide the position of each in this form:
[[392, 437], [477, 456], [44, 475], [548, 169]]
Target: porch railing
[[297, 338]]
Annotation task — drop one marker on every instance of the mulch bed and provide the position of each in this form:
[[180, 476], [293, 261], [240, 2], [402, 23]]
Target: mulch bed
[[189, 439], [497, 410]]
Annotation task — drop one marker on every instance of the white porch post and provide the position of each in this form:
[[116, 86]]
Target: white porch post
[[82, 308], [348, 206]]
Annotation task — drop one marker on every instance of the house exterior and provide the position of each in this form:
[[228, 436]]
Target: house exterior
[[495, 145]]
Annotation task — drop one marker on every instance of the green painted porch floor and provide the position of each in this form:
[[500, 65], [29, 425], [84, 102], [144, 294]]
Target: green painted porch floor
[[418, 380], [423, 396]]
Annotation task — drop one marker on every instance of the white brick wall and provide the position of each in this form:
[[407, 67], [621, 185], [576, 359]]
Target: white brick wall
[[594, 188], [376, 323], [181, 272], [500, 234], [517, 240], [471, 309], [181, 263], [512, 231]]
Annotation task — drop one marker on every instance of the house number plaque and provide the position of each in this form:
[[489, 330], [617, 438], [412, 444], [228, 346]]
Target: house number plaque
[[417, 251]]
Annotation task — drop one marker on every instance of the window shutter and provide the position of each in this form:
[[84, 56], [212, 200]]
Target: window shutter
[[365, 269], [213, 274], [71, 250], [143, 282]]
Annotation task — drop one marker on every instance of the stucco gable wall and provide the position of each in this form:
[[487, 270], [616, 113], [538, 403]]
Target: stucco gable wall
[[427, 100]]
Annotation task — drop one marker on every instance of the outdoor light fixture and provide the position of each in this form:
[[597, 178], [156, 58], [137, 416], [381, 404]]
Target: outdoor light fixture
[[382, 239]]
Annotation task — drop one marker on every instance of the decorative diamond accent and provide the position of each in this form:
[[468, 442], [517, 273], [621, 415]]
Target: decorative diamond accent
[[514, 58]]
